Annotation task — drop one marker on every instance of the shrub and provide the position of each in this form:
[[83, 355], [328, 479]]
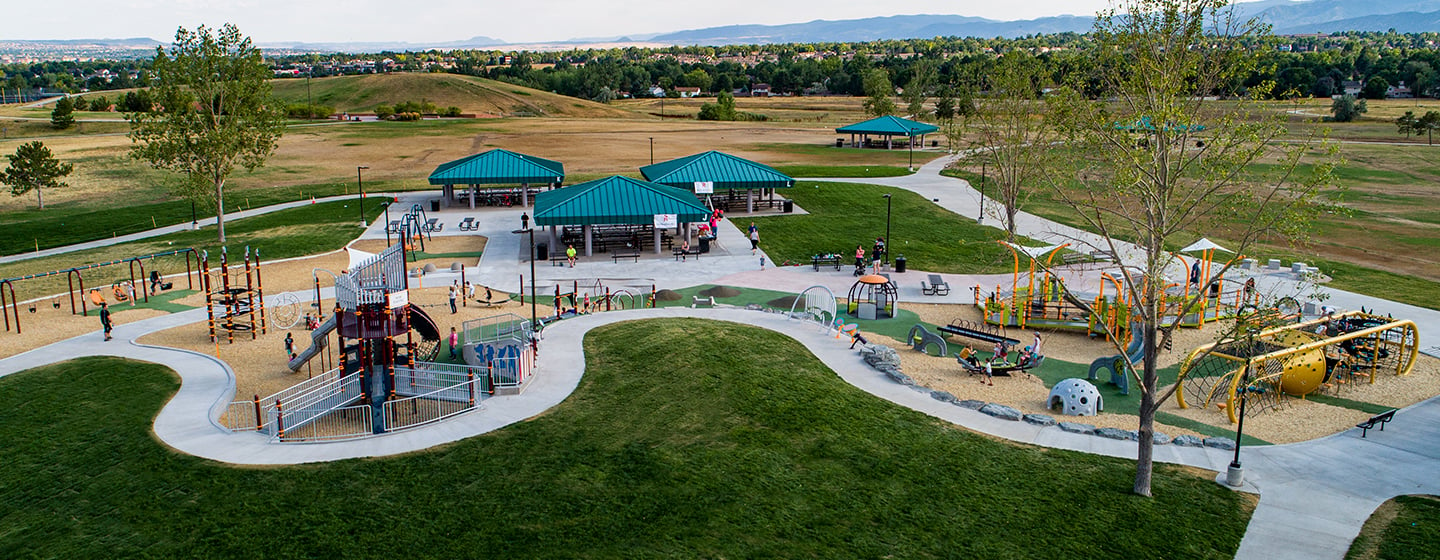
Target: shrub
[[450, 112], [407, 116], [384, 111]]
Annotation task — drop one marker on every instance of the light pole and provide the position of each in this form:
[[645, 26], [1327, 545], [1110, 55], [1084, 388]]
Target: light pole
[[525, 228], [910, 147], [887, 229], [194, 223], [1235, 475], [981, 219], [652, 150], [360, 181], [387, 223]]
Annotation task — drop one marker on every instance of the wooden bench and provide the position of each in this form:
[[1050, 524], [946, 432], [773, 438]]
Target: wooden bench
[[681, 255], [1374, 421], [936, 286], [1074, 258], [634, 257], [559, 260]]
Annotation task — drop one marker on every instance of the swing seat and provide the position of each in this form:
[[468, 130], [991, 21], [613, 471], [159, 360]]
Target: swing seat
[[96, 297], [119, 293]]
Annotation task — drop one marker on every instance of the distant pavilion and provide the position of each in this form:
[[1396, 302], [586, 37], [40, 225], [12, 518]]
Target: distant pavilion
[[497, 167]]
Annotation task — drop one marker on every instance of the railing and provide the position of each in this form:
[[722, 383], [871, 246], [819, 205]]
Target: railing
[[433, 406], [499, 327], [307, 407], [429, 376], [338, 423], [244, 416], [512, 371]]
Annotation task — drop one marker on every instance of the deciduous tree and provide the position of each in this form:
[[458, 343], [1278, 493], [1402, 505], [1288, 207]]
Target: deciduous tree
[[878, 92], [33, 167], [1012, 134], [1165, 159], [216, 112]]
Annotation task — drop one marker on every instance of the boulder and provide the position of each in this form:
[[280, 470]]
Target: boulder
[[1189, 441], [1162, 438], [878, 355], [899, 377], [1002, 412], [1077, 428], [971, 404], [1040, 419], [1220, 443], [942, 396], [1117, 433]]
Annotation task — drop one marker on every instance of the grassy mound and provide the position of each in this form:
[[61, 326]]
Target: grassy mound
[[672, 446], [472, 95], [720, 292], [667, 295]]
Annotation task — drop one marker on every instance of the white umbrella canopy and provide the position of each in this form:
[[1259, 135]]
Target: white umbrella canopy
[[1203, 245], [1034, 252], [357, 257]]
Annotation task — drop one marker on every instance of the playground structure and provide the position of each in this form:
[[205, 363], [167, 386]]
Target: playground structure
[[815, 304], [413, 228], [1294, 361], [505, 345], [75, 278], [873, 297], [920, 339], [228, 306], [591, 296], [1041, 302], [378, 383]]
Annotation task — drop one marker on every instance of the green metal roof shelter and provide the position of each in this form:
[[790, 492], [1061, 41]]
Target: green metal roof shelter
[[497, 167], [713, 171], [887, 127], [617, 201]]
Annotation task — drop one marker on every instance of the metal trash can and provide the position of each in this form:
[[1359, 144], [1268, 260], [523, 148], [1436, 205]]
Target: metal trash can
[[839, 142], [435, 205], [788, 206], [704, 244], [542, 251], [900, 263]]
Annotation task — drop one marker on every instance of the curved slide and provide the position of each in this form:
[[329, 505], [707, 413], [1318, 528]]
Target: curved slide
[[1133, 353], [319, 339], [422, 323]]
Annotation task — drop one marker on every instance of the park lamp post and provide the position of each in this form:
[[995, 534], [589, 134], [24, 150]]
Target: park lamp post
[[525, 228], [981, 219], [910, 147], [386, 204], [887, 229], [360, 182], [652, 150], [1235, 474]]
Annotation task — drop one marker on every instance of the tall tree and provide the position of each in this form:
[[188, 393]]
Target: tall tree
[[215, 112], [1147, 172], [1408, 124], [32, 166], [1427, 123], [1011, 131], [878, 92], [917, 90], [63, 116]]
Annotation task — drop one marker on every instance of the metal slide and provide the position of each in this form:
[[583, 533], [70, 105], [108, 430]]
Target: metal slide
[[319, 339]]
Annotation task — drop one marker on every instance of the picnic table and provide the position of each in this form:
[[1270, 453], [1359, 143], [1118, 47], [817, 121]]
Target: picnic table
[[829, 260]]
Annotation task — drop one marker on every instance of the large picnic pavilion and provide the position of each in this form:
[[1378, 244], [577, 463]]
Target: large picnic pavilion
[[711, 174], [497, 167], [886, 127], [617, 213]]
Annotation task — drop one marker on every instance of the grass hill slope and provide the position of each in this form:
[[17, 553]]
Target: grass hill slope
[[470, 94]]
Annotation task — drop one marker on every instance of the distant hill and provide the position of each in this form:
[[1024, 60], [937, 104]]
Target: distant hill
[[1287, 16], [382, 46], [472, 95]]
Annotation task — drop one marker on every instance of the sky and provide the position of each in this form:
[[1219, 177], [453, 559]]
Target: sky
[[525, 21]]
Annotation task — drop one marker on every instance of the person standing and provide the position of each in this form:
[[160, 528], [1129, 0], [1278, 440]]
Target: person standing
[[454, 341], [289, 344], [453, 310], [859, 259], [469, 291], [105, 319], [754, 239]]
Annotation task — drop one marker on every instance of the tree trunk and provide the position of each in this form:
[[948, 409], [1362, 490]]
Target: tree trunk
[[220, 208], [1145, 458], [41, 196]]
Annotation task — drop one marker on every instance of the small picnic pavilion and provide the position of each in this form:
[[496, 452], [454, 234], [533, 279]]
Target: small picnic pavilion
[[617, 214], [887, 127], [497, 167], [711, 174]]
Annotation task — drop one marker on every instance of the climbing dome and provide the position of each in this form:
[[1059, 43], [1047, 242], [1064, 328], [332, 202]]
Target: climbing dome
[[1296, 360], [873, 297]]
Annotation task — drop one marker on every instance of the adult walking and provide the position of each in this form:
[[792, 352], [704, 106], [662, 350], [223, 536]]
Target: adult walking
[[754, 239], [453, 310], [105, 319]]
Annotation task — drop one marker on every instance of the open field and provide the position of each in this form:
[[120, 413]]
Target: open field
[[1403, 528], [713, 453], [480, 96]]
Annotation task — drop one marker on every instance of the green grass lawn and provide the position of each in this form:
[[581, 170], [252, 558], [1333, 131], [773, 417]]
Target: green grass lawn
[[843, 215], [843, 170], [672, 446], [1405, 528]]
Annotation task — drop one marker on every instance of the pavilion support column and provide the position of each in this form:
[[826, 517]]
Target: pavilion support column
[[687, 232], [554, 238], [524, 194], [588, 233], [473, 191], [750, 201], [657, 240]]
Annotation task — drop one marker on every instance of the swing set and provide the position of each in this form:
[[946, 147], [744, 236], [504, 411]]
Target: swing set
[[75, 278]]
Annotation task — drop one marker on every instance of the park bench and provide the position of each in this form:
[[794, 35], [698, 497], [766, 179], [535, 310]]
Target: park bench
[[559, 260], [703, 302], [634, 257], [936, 286], [1074, 258], [681, 254], [1375, 421]]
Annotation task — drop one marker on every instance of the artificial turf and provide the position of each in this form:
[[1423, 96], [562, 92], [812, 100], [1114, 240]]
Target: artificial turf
[[685, 438]]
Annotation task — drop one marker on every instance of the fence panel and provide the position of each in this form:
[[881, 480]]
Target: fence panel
[[338, 423], [433, 406]]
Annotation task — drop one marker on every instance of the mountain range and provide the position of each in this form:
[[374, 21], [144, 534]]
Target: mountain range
[[1286, 17]]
